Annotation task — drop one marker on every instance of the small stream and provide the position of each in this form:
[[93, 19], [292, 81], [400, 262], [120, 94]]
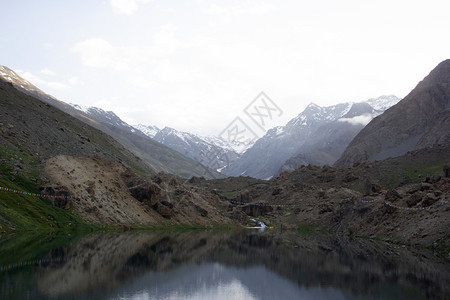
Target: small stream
[[261, 227]]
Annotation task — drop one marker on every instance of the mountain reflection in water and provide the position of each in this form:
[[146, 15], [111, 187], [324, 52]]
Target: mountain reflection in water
[[223, 265], [216, 281]]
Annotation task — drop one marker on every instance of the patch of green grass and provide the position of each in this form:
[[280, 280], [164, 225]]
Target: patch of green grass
[[228, 194], [413, 173], [29, 213], [309, 229], [389, 173]]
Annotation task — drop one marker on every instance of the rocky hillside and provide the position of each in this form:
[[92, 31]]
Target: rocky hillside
[[28, 125], [158, 156], [106, 193], [153, 154], [420, 120], [85, 173], [318, 135], [401, 200], [193, 146]]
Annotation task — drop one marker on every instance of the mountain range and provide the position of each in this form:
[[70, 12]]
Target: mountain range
[[60, 163], [317, 136], [153, 154], [210, 153]]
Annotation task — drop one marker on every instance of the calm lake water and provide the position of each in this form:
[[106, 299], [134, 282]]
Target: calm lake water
[[215, 265]]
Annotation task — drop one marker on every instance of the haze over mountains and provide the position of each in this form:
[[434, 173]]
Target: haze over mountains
[[318, 135]]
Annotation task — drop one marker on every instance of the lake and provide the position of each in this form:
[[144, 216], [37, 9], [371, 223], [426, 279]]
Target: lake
[[245, 264]]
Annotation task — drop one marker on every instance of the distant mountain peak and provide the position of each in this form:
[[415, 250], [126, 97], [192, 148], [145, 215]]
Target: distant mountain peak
[[312, 105], [383, 102], [148, 130], [321, 131]]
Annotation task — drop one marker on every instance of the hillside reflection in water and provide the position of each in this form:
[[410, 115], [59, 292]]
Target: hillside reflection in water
[[225, 265]]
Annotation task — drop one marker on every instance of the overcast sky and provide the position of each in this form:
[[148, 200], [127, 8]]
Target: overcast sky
[[195, 65]]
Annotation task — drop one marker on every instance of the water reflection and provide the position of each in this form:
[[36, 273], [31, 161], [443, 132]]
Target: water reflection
[[217, 281], [223, 265]]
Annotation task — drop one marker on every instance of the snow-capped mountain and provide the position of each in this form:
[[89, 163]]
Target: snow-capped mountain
[[327, 129], [382, 103], [235, 145], [15, 79], [103, 116], [142, 138], [148, 130], [197, 148]]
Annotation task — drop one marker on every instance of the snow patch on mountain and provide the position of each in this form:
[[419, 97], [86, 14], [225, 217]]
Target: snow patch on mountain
[[82, 108], [148, 130], [383, 102]]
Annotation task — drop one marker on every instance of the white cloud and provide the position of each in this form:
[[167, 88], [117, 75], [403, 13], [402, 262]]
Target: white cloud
[[246, 9], [99, 53], [358, 120], [75, 81], [48, 72], [36, 80], [48, 45], [126, 7]]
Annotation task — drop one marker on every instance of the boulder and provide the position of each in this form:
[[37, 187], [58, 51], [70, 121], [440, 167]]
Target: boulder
[[414, 199], [277, 191], [58, 195], [425, 186], [446, 170], [392, 196], [257, 209], [142, 189], [350, 176], [203, 212], [429, 199], [165, 211], [433, 178], [324, 208], [371, 188], [166, 200], [243, 197], [405, 180]]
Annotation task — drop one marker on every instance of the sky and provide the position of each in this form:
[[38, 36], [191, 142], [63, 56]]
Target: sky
[[195, 65]]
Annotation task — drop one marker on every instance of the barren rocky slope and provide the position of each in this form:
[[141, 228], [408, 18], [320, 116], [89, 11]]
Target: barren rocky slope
[[95, 169], [106, 193], [40, 130], [152, 155], [404, 200], [420, 120]]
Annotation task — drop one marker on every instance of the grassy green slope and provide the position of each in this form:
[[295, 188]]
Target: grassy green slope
[[19, 171]]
